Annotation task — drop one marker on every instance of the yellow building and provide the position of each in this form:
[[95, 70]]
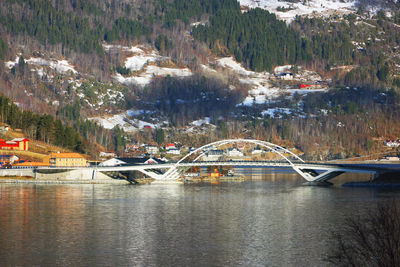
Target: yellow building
[[66, 160], [31, 164]]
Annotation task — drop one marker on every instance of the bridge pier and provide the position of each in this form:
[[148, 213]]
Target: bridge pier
[[151, 174], [312, 175], [174, 173]]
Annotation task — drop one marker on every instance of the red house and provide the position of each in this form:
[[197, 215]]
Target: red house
[[170, 146], [302, 86], [15, 144]]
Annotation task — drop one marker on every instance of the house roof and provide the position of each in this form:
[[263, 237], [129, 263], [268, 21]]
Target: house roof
[[215, 152], [66, 155], [111, 162], [285, 73], [20, 139], [28, 163], [138, 160]]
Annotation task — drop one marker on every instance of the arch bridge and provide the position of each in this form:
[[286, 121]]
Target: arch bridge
[[312, 172]]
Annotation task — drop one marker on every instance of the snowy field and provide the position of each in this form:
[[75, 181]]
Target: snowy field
[[124, 121], [261, 91], [60, 66], [143, 62], [311, 7]]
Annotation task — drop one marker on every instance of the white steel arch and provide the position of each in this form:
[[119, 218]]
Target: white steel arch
[[265, 144], [272, 147]]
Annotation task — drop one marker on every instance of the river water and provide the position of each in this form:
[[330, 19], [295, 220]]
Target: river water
[[270, 221]]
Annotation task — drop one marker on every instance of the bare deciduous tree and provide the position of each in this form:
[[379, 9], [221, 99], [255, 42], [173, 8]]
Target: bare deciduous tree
[[371, 241]]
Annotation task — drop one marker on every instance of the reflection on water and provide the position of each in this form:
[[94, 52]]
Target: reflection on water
[[274, 221]]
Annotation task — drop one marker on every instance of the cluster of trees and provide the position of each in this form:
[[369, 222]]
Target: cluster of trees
[[185, 100], [3, 48], [46, 22], [377, 40], [78, 135], [125, 29], [163, 43], [41, 127], [185, 10], [256, 37], [123, 70], [261, 41], [90, 130]]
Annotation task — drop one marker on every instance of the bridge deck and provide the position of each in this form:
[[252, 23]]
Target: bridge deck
[[303, 165]]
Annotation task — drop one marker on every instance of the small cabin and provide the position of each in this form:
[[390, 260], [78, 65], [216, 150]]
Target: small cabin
[[286, 76]]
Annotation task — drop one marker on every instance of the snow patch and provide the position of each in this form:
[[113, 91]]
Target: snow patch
[[230, 62], [302, 8], [10, 64], [123, 121], [152, 71], [276, 112], [144, 63], [61, 66], [141, 58], [200, 122], [282, 69]]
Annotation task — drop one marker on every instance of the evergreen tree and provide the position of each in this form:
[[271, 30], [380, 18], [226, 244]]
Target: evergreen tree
[[3, 48], [159, 136]]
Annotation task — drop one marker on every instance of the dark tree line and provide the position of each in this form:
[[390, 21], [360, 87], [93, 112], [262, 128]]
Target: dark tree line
[[185, 100], [41, 127], [261, 41], [185, 10], [47, 23], [3, 48], [255, 37]]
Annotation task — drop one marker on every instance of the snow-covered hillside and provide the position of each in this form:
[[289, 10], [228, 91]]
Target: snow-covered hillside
[[261, 85], [145, 63], [288, 11], [59, 65], [126, 121]]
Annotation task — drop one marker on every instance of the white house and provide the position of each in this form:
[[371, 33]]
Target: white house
[[151, 149], [234, 152], [131, 147], [170, 146], [392, 143], [286, 76], [256, 151], [112, 162], [130, 161], [213, 155], [107, 154], [173, 151]]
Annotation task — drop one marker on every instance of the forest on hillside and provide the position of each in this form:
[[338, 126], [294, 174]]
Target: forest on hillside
[[255, 38]]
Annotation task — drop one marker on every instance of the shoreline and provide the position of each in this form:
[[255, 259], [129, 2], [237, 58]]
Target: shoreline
[[48, 181]]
